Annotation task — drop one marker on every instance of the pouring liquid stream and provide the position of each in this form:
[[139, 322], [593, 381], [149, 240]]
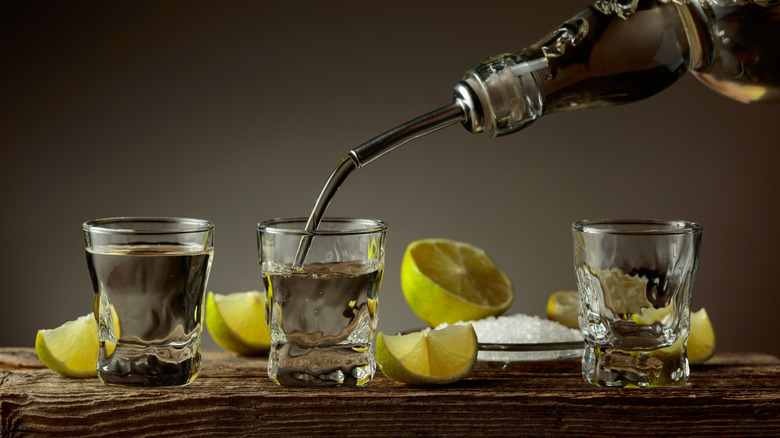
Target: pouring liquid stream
[[368, 152]]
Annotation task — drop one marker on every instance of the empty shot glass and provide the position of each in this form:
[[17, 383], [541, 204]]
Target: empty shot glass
[[322, 316], [149, 276], [635, 279]]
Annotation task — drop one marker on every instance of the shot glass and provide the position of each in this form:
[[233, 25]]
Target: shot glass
[[635, 279], [322, 316], [149, 276]]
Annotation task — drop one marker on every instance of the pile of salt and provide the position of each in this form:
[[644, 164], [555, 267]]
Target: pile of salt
[[519, 330]]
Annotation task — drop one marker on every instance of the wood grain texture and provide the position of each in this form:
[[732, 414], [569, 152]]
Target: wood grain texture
[[733, 394]]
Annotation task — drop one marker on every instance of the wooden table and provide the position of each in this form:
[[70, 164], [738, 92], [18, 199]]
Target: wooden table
[[733, 394]]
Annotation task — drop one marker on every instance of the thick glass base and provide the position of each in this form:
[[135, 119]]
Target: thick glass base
[[149, 366], [340, 365], [635, 369]]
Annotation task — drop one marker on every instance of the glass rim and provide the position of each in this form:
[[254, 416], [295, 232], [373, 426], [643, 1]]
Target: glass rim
[[122, 223], [636, 226], [371, 226]]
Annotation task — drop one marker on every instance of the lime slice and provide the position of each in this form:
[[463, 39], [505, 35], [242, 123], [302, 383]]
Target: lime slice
[[446, 282], [70, 349], [563, 307], [429, 356], [237, 321], [701, 341]]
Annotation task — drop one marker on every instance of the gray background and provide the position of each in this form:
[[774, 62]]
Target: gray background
[[238, 111]]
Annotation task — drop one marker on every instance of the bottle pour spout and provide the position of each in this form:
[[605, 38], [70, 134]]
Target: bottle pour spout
[[425, 124], [466, 108], [370, 151]]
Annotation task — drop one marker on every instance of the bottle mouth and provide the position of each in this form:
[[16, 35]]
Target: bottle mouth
[[473, 115]]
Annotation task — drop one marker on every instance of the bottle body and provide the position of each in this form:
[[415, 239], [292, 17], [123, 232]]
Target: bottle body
[[739, 53], [617, 52]]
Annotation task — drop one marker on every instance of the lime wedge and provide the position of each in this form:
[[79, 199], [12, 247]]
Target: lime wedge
[[446, 282], [701, 341], [562, 307], [236, 321], [70, 349], [429, 356]]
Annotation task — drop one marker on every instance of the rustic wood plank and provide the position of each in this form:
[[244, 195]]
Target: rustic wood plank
[[733, 394]]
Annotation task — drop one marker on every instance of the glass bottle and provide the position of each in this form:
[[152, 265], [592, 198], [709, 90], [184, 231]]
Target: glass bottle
[[620, 51]]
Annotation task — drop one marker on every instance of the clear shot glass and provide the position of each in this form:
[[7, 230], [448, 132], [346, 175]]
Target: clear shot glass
[[149, 276], [635, 280], [322, 316]]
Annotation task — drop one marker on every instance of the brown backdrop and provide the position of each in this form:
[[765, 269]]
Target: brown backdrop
[[238, 111]]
